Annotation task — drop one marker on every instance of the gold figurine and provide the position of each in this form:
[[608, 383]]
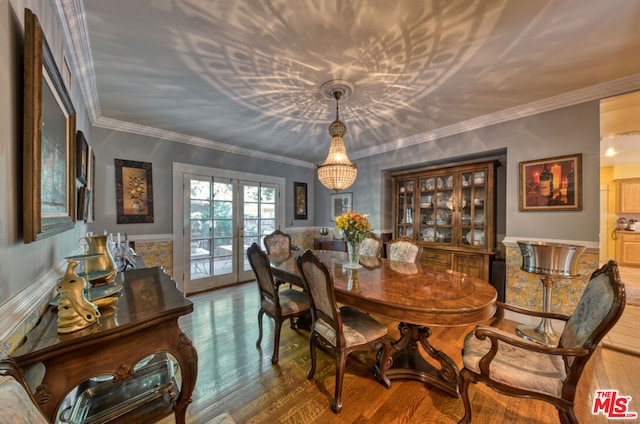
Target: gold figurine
[[75, 312]]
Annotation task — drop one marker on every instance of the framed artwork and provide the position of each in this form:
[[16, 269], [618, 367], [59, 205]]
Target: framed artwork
[[553, 184], [82, 158], [92, 184], [134, 192], [341, 203], [299, 200], [82, 192], [49, 177]]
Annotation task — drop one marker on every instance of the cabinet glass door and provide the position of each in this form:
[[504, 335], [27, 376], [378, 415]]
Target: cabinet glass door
[[436, 209], [472, 219], [404, 213]]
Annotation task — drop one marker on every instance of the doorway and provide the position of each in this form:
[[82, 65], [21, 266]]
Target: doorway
[[221, 214], [619, 159]]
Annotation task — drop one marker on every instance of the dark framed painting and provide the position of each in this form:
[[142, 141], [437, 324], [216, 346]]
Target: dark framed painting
[[134, 192], [341, 203], [49, 177], [92, 184], [82, 158], [82, 192], [299, 200], [552, 184]]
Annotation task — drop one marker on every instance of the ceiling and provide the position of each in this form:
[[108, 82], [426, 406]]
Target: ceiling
[[245, 75]]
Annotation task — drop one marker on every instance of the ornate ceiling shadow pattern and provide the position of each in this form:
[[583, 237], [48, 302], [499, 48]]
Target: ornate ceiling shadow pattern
[[235, 75], [407, 53]]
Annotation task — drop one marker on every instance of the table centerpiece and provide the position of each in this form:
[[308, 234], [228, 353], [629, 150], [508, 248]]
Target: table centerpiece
[[355, 228]]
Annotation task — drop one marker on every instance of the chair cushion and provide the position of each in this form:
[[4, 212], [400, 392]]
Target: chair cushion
[[358, 328], [515, 366], [291, 302], [17, 406]]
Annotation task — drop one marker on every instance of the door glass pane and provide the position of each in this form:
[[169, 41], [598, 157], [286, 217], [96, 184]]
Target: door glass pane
[[223, 191], [200, 228], [268, 195], [200, 189], [223, 228], [251, 194], [267, 210], [200, 209]]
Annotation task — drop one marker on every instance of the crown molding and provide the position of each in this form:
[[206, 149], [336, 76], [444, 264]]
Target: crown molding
[[595, 92], [123, 126], [72, 16]]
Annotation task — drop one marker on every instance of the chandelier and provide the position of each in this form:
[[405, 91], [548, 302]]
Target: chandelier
[[337, 172]]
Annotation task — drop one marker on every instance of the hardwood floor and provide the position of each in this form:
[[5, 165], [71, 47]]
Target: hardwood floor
[[235, 377]]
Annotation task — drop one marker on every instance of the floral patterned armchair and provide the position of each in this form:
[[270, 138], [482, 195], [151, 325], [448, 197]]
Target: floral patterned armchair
[[404, 249], [517, 367], [278, 244], [370, 246]]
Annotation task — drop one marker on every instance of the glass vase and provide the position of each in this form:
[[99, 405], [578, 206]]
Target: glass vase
[[353, 255]]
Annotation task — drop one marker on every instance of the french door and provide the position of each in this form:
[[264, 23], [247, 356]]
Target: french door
[[223, 217]]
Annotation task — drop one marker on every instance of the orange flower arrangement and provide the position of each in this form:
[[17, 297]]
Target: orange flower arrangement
[[354, 226]]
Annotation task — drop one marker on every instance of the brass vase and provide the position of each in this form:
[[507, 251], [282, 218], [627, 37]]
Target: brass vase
[[103, 264]]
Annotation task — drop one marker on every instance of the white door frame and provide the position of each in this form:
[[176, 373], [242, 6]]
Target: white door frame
[[180, 222]]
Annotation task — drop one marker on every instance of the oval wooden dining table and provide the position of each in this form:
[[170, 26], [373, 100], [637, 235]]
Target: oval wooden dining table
[[417, 296]]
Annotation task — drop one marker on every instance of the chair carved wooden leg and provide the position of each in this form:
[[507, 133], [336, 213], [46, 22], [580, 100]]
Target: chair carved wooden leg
[[465, 380], [276, 341], [260, 314], [312, 351], [341, 359]]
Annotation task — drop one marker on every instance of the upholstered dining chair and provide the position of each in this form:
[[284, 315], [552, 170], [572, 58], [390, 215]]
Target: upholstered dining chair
[[371, 246], [279, 305], [404, 249], [278, 243], [340, 330], [513, 366]]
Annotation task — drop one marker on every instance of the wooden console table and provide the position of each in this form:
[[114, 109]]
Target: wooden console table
[[144, 321], [330, 244]]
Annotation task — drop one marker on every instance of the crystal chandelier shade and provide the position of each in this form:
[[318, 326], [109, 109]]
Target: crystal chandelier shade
[[337, 172]]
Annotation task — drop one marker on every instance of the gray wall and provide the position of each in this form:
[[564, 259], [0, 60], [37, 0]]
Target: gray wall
[[22, 263], [110, 145], [561, 132]]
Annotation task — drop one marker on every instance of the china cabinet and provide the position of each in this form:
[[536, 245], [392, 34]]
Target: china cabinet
[[452, 212]]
